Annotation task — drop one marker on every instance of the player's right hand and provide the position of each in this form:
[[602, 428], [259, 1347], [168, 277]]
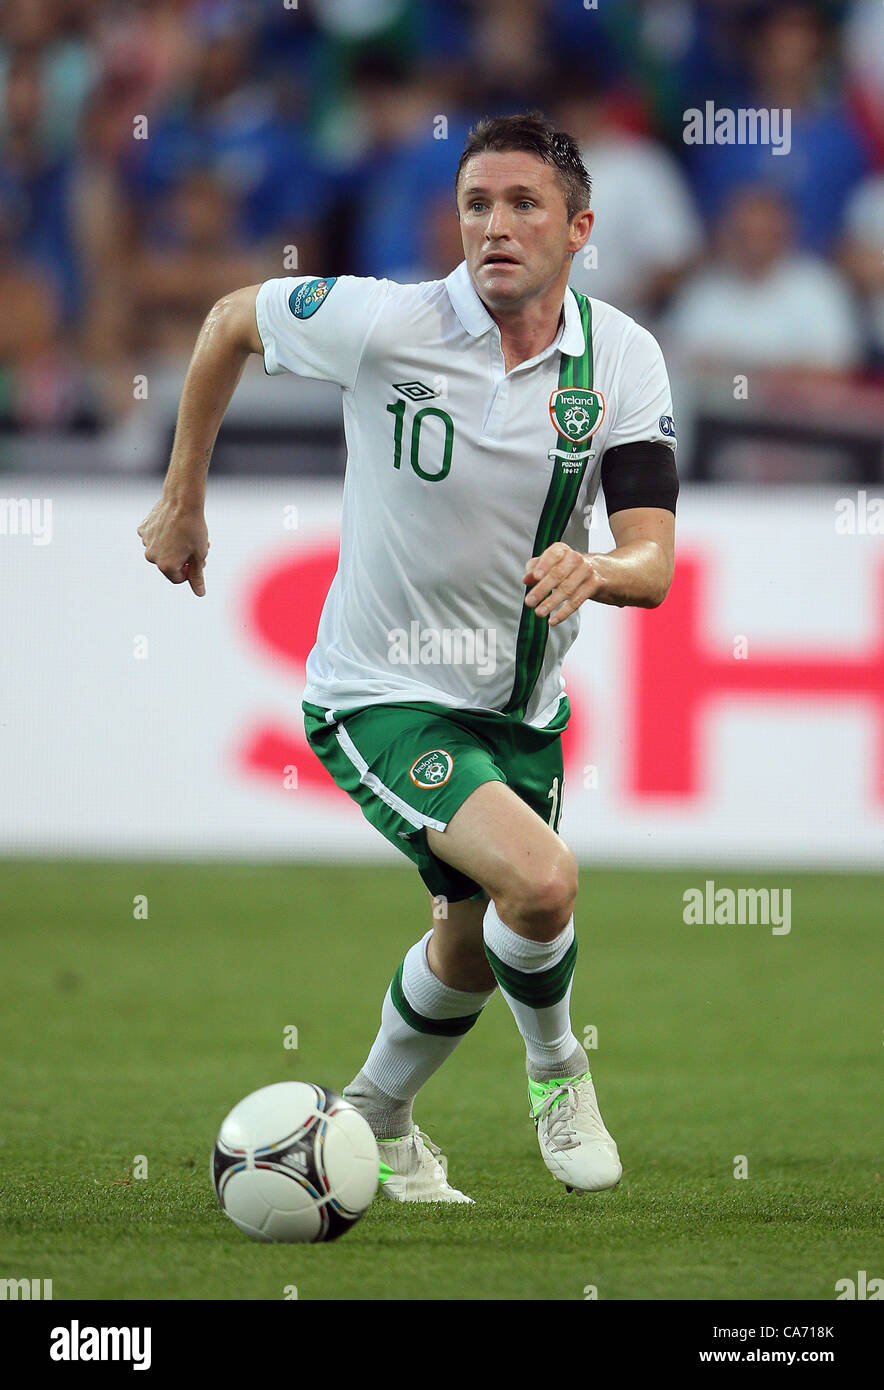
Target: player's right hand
[[176, 540]]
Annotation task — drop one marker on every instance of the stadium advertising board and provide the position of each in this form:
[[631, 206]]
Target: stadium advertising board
[[741, 721]]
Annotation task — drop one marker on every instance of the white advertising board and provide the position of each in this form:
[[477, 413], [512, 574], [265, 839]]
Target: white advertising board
[[741, 722]]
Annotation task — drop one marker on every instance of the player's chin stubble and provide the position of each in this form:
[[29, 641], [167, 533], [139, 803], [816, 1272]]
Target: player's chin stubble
[[504, 288]]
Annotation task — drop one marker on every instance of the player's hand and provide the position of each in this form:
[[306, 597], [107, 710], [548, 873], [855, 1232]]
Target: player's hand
[[176, 540], [560, 579]]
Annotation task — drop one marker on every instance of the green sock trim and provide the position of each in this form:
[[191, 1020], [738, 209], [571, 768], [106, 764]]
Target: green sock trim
[[386, 1170], [540, 988], [441, 1027]]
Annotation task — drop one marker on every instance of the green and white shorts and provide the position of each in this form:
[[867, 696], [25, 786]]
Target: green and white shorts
[[410, 766]]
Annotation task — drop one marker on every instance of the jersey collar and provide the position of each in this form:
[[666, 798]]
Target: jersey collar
[[476, 319]]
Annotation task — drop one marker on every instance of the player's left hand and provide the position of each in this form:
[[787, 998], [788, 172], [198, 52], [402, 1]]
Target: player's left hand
[[562, 579]]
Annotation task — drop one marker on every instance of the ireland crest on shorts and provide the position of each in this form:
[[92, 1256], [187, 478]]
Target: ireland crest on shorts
[[431, 769], [576, 412]]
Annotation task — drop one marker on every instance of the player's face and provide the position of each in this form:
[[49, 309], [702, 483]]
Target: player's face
[[517, 238]]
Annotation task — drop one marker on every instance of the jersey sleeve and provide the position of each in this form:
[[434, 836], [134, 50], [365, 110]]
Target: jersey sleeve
[[644, 404], [318, 327]]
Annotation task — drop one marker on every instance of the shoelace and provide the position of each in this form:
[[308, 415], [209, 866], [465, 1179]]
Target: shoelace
[[424, 1141], [560, 1125]]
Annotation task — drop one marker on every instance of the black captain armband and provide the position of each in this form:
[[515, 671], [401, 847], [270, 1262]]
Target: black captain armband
[[639, 475]]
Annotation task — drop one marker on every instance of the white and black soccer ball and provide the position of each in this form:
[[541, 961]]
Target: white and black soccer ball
[[295, 1162]]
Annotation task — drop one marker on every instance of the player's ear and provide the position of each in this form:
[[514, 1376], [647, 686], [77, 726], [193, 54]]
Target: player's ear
[[581, 227]]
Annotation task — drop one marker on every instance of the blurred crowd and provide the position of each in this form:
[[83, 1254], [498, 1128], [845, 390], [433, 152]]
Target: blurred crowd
[[156, 153]]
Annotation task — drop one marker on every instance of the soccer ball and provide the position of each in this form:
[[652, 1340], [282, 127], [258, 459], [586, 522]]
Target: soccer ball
[[295, 1162]]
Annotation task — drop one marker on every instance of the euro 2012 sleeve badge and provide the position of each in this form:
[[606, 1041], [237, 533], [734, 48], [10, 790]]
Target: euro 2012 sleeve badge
[[307, 298]]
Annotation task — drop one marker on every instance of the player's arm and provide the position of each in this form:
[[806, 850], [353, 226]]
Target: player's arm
[[641, 486], [174, 533], [637, 572]]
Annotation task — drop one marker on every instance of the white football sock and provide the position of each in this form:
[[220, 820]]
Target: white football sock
[[535, 979], [422, 1021]]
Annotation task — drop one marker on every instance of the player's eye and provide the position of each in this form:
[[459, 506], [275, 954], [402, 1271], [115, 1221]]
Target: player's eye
[[476, 205], [526, 203]]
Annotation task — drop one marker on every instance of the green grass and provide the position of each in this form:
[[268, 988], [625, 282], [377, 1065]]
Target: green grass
[[121, 1037]]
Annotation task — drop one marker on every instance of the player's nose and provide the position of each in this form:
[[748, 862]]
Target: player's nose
[[498, 223]]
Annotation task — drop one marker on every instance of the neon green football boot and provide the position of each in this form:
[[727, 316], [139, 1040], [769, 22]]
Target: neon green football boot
[[576, 1147]]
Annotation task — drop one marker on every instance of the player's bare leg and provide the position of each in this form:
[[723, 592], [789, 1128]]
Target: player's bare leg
[[456, 950], [527, 941], [530, 876], [522, 864]]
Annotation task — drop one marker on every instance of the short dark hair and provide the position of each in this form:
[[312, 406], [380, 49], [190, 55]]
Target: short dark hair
[[533, 133]]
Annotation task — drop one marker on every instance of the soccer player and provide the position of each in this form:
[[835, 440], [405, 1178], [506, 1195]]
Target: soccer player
[[482, 413]]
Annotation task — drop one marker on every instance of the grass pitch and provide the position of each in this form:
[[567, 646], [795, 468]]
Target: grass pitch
[[124, 1037]]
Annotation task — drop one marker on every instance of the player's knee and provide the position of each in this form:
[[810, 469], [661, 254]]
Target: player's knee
[[542, 900]]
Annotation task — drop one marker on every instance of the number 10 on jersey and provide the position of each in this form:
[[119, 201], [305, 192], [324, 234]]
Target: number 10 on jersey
[[398, 412]]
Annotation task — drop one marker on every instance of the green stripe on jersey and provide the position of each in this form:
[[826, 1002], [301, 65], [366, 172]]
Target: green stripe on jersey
[[442, 1027], [561, 497]]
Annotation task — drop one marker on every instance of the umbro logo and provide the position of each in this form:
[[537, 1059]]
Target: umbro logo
[[414, 390]]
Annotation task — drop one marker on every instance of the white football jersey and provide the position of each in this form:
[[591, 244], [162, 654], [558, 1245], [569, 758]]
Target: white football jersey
[[457, 473]]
